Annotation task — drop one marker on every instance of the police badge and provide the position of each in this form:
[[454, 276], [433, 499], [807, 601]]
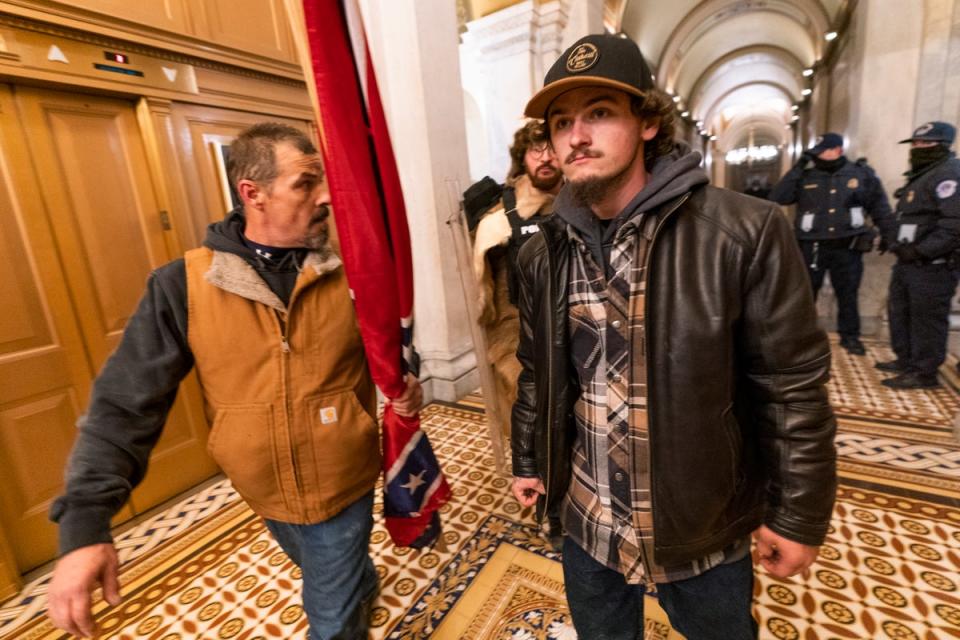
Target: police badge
[[946, 189]]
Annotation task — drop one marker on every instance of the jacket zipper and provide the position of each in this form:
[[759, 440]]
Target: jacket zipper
[[288, 414], [647, 351]]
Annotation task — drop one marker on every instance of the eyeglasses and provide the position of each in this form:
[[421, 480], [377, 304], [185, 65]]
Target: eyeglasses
[[540, 150]]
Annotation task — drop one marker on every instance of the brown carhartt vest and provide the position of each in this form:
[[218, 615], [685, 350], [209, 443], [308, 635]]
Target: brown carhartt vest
[[286, 389]]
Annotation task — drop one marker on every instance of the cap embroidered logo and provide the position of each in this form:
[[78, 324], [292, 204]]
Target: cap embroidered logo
[[582, 58], [922, 129]]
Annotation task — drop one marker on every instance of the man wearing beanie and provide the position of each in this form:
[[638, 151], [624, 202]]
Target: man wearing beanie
[[671, 400], [924, 279], [834, 197]]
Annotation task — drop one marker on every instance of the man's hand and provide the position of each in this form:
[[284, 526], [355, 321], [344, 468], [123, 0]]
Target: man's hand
[[76, 576], [782, 557], [526, 490], [412, 399]]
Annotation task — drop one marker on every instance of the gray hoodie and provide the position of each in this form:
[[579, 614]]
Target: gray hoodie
[[673, 175]]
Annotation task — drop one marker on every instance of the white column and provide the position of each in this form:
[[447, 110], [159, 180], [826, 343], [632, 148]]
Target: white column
[[414, 48], [585, 17]]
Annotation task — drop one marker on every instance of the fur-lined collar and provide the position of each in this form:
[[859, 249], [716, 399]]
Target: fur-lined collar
[[233, 274]]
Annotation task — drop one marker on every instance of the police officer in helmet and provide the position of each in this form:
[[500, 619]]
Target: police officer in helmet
[[833, 198], [924, 278]]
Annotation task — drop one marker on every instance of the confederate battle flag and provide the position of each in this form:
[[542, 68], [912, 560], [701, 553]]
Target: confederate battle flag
[[375, 245]]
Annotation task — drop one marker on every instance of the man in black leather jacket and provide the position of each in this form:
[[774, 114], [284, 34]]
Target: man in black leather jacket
[[671, 398]]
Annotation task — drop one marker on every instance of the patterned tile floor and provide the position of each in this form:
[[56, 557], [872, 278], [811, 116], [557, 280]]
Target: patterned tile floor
[[206, 567]]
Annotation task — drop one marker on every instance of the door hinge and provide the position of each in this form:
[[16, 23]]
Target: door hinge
[[165, 220]]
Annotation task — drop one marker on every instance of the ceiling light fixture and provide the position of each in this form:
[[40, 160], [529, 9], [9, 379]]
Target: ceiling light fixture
[[830, 35], [807, 73], [806, 92]]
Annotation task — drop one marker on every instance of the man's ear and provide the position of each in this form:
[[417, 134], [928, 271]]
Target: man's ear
[[250, 192], [650, 128]]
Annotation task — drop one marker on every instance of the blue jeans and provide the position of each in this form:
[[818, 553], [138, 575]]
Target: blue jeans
[[339, 580], [712, 606]]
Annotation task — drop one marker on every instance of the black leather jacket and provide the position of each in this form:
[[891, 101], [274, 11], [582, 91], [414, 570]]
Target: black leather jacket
[[741, 429]]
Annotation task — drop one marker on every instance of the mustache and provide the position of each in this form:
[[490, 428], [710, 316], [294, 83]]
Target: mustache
[[322, 213], [582, 153], [547, 165]]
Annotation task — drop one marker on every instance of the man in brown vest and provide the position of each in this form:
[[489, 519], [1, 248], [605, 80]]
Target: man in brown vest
[[262, 311]]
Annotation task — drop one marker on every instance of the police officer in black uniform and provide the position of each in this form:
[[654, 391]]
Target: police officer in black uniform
[[926, 241], [833, 198]]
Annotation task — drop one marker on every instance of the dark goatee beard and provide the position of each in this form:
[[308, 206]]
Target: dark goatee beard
[[593, 190], [317, 241], [546, 184]]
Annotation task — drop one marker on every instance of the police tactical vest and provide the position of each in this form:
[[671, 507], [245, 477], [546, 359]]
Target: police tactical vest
[[926, 199], [832, 205], [520, 231]]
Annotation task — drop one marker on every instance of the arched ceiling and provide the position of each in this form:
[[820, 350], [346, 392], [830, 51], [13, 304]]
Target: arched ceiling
[[737, 65]]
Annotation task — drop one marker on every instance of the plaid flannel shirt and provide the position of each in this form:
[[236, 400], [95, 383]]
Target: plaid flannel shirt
[[607, 509]]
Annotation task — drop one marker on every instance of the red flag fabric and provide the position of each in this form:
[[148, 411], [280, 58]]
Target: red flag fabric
[[375, 244]]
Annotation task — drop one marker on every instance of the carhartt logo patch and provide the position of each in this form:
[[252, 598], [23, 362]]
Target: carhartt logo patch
[[946, 189], [328, 415], [582, 58], [910, 196], [853, 183]]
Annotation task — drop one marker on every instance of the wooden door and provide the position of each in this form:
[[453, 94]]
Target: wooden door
[[44, 373], [91, 176]]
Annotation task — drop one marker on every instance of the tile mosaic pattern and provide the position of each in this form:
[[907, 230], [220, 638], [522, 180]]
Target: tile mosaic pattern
[[206, 567]]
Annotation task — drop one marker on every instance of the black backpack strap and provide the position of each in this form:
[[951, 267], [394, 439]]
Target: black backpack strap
[[509, 199]]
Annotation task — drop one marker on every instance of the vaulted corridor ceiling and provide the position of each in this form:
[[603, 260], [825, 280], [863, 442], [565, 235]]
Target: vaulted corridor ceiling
[[738, 67]]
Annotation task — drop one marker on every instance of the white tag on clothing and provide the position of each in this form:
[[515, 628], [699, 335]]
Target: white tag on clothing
[[806, 222], [856, 217], [907, 233], [328, 415]]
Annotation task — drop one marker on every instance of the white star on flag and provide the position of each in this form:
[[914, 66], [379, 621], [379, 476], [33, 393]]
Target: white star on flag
[[414, 482]]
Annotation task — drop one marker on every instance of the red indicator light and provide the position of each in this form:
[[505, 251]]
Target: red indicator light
[[122, 58]]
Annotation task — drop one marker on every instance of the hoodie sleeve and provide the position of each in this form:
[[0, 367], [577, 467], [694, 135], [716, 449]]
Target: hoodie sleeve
[[128, 407]]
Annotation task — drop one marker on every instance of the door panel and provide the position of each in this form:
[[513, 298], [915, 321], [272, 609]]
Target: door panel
[[44, 372], [257, 26], [91, 176]]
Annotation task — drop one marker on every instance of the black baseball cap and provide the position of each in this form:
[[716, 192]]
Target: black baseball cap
[[595, 60], [826, 141], [933, 132]]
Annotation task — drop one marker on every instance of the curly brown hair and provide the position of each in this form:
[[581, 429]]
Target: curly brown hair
[[656, 105], [530, 134]]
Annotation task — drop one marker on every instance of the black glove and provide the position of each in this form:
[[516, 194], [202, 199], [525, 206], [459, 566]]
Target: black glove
[[906, 253]]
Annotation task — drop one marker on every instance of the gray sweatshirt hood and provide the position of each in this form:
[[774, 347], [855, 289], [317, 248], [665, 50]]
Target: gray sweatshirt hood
[[673, 175]]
